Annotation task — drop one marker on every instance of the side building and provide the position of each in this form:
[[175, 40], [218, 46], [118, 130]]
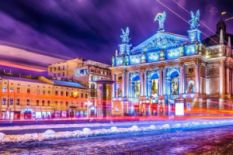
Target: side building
[[86, 72], [168, 66], [41, 98]]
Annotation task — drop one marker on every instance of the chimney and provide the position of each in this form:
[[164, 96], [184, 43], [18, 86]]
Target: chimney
[[229, 46], [229, 42], [221, 40], [116, 53]]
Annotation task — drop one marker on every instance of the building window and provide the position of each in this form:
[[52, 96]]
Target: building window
[[67, 104], [48, 103], [4, 101], [49, 92], [56, 92], [4, 89], [11, 90], [18, 90], [42, 102], [11, 101], [43, 92], [28, 102], [61, 93], [67, 93], [37, 102], [18, 102], [28, 90]]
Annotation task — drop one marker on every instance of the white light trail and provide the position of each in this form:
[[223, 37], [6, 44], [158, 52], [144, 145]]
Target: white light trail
[[172, 11]]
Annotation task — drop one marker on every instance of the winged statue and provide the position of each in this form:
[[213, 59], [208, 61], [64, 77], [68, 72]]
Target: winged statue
[[195, 18], [125, 35], [160, 17]]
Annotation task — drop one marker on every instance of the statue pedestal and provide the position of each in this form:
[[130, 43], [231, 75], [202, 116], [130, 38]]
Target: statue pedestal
[[194, 35]]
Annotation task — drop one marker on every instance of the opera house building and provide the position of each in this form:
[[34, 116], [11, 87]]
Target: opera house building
[[168, 67]]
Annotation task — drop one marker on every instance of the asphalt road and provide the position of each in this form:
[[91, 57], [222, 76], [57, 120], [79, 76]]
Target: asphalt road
[[193, 142]]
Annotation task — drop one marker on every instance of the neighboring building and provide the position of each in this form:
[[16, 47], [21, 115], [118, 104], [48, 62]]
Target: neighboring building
[[87, 72], [168, 66], [26, 98]]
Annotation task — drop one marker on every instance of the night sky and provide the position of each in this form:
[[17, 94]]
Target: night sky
[[90, 28]]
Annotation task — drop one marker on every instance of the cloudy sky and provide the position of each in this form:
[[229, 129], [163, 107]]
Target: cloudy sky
[[90, 28]]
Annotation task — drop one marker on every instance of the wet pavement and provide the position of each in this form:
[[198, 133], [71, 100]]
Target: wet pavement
[[204, 141]]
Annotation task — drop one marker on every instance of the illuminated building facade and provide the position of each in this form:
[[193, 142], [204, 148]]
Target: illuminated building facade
[[38, 98], [87, 72], [167, 67]]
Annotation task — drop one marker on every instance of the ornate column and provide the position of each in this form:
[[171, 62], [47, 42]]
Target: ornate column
[[127, 84], [197, 77], [142, 83], [222, 78], [164, 81], [145, 84], [228, 82], [232, 81], [114, 86], [161, 81], [181, 82], [124, 82]]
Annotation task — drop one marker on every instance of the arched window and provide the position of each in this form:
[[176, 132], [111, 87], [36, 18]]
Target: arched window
[[136, 86], [153, 84], [174, 83], [190, 88]]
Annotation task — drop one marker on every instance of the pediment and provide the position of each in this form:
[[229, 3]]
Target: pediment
[[160, 41]]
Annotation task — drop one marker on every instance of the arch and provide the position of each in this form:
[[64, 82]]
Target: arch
[[173, 77], [135, 87], [154, 75], [152, 83], [173, 72], [135, 77]]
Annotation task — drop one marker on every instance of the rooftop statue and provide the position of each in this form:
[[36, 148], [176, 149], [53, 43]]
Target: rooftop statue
[[160, 17], [125, 35], [195, 18]]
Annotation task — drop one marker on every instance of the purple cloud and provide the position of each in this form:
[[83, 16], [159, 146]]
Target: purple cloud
[[91, 28]]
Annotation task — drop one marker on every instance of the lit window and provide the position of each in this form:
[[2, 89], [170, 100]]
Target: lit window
[[11, 101], [18, 102], [4, 89], [28, 102], [4, 101], [11, 90], [56, 92], [18, 90], [37, 102]]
